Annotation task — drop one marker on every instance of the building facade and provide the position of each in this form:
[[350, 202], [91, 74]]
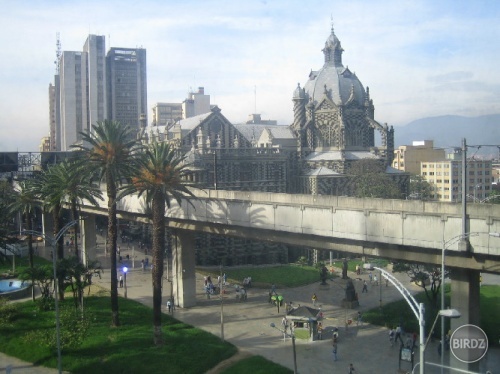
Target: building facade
[[445, 178], [90, 87], [408, 157], [127, 87], [77, 100]]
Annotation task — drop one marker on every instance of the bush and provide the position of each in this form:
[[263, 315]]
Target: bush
[[8, 312]]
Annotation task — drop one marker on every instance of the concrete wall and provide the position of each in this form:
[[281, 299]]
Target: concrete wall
[[400, 229]]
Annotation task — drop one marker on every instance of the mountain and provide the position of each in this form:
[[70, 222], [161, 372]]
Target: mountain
[[448, 132]]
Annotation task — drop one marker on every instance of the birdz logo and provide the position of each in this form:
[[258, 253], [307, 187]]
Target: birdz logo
[[469, 343]]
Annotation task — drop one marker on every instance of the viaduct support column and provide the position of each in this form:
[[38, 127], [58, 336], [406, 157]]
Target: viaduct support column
[[183, 269], [465, 298], [88, 238]]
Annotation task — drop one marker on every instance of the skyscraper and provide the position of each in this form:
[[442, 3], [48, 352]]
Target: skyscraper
[[127, 86], [90, 87], [79, 99]]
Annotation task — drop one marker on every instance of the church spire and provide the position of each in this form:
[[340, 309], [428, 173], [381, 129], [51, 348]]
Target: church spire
[[333, 50]]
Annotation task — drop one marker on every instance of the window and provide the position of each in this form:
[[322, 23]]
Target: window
[[431, 173]]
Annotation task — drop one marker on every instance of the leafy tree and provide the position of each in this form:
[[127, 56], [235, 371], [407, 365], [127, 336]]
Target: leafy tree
[[160, 176], [42, 277], [7, 198], [369, 179], [423, 275], [25, 202], [108, 152], [68, 182], [420, 189], [77, 276]]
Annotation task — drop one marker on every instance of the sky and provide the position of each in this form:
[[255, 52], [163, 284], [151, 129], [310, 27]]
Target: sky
[[419, 58]]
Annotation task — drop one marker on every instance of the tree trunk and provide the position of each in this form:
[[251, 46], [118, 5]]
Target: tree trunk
[[59, 248], [111, 247], [29, 227], [158, 206]]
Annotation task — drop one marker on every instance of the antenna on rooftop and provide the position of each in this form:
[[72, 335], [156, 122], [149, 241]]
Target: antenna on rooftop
[[58, 53], [255, 99]]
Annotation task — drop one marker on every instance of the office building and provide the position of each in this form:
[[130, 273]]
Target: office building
[[127, 87], [408, 157]]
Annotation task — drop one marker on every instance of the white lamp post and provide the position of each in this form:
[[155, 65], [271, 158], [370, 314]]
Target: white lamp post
[[125, 269], [448, 313], [53, 242], [446, 245]]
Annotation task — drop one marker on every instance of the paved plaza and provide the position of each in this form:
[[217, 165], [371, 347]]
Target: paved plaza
[[247, 325]]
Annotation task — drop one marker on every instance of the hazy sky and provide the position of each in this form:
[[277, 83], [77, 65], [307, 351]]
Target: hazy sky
[[419, 58]]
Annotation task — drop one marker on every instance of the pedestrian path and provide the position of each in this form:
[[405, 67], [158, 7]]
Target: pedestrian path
[[247, 324]]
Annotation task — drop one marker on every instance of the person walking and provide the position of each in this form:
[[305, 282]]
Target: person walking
[[370, 277], [334, 345], [320, 331], [169, 305], [360, 319], [365, 287], [121, 281], [314, 299], [398, 334], [351, 369]]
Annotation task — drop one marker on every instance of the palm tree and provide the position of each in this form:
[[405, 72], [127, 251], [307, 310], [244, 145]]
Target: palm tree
[[47, 187], [25, 202], [70, 183], [109, 151], [160, 175]]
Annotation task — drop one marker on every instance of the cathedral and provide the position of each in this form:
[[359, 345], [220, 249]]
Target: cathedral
[[333, 129]]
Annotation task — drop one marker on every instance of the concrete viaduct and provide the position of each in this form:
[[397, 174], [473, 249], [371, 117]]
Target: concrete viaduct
[[401, 230]]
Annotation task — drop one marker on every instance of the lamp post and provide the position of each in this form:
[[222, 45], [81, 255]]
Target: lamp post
[[448, 313], [125, 269], [53, 242], [293, 345], [446, 245], [221, 293]]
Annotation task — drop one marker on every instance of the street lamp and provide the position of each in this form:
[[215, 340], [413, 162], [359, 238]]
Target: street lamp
[[446, 245], [53, 243], [125, 269], [292, 335], [448, 313]]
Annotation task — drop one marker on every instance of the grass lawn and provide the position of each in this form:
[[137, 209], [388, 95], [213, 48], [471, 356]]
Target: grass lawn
[[256, 365], [22, 263], [263, 277], [490, 307], [399, 312], [126, 349]]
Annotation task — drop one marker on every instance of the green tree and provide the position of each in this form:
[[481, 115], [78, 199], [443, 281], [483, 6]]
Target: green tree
[[69, 182], [77, 276], [25, 202], [47, 187], [108, 152], [369, 179], [420, 189], [160, 176], [424, 275]]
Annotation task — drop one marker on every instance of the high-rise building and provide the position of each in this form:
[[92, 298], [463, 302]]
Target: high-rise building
[[94, 64], [78, 96], [165, 114], [90, 87], [127, 86]]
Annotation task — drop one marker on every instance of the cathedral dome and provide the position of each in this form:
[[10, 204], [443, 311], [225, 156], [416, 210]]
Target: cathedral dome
[[337, 81]]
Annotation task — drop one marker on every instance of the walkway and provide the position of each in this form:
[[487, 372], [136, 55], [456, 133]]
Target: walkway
[[246, 325]]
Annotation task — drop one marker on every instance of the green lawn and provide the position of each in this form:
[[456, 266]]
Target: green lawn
[[282, 276], [399, 312], [256, 365], [126, 349]]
